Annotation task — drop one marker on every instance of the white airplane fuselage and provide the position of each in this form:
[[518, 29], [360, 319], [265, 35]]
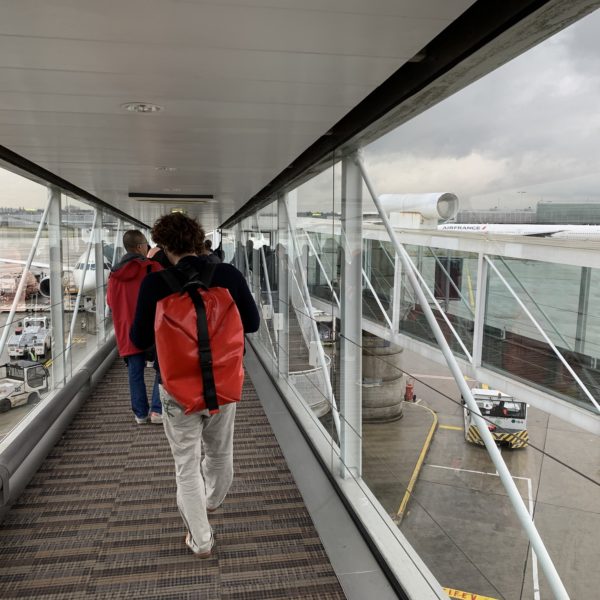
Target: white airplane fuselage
[[563, 232], [86, 283]]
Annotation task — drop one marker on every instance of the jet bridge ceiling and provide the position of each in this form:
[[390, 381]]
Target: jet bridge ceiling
[[245, 87]]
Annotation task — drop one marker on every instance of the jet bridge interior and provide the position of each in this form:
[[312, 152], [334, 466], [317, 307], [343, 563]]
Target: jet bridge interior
[[354, 474]]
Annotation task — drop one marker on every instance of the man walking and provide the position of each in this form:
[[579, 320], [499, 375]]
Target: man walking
[[201, 486], [123, 288]]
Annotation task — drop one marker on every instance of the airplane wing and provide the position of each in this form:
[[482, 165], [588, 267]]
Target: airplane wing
[[24, 262], [38, 265]]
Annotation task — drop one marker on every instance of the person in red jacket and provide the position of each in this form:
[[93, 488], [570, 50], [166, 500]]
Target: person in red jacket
[[123, 289]]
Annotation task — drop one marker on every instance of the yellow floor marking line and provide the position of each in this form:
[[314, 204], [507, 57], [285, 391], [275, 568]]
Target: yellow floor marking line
[[430, 376], [452, 593], [452, 427], [413, 479]]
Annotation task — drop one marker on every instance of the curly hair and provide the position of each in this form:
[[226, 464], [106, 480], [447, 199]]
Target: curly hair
[[178, 233]]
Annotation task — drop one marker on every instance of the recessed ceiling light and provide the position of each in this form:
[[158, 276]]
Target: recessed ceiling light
[[142, 107], [172, 198]]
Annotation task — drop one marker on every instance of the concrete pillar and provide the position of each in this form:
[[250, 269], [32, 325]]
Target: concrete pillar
[[383, 381]]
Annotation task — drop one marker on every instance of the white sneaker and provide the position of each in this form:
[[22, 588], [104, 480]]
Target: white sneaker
[[141, 420], [201, 555], [156, 418]]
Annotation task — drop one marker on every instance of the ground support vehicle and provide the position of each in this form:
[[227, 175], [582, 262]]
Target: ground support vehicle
[[506, 418], [21, 382], [33, 334]]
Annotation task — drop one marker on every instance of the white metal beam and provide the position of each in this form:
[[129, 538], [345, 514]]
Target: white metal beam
[[350, 324]]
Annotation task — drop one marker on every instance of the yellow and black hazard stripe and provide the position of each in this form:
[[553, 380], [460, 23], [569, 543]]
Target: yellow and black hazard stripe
[[460, 595], [517, 439]]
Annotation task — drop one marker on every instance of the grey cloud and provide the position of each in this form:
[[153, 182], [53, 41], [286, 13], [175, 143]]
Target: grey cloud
[[537, 113]]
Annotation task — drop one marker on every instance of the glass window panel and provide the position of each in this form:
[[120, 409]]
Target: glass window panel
[[312, 257], [513, 342], [28, 333], [264, 278]]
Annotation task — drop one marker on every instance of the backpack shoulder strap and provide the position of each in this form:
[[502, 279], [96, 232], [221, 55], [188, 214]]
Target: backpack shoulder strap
[[204, 352]]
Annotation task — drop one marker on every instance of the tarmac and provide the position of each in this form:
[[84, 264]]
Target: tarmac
[[393, 455]]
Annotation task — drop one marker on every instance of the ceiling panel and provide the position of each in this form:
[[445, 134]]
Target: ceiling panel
[[246, 86]]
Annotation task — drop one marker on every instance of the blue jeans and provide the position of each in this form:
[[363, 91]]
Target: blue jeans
[[136, 363]]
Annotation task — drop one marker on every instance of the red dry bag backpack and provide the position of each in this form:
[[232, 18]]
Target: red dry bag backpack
[[199, 342]]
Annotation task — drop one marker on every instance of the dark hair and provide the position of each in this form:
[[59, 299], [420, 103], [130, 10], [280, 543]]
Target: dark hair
[[133, 238], [178, 233], [208, 244]]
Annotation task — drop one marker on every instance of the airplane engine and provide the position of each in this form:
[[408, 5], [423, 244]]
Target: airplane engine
[[44, 287], [435, 205]]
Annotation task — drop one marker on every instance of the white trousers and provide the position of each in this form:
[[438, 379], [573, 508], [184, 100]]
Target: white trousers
[[201, 484]]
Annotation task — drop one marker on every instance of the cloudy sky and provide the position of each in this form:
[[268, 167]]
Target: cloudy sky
[[531, 126], [527, 132]]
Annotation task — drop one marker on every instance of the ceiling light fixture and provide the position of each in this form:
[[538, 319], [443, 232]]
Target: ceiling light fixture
[[163, 198], [142, 107], [166, 169]]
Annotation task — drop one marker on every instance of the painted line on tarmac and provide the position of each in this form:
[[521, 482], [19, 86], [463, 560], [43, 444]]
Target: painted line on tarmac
[[452, 427], [420, 460], [464, 470], [445, 377], [534, 561]]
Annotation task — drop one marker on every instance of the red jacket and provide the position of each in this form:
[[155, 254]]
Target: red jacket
[[123, 288]]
